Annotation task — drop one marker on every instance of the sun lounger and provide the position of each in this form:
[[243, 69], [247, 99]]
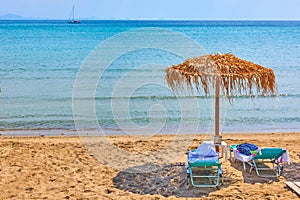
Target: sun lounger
[[204, 167], [258, 161]]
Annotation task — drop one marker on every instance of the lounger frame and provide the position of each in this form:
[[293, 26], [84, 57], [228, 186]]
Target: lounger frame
[[213, 170], [268, 155]]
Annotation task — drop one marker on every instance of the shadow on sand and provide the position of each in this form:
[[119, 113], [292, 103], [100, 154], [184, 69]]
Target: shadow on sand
[[166, 180], [292, 172], [253, 177]]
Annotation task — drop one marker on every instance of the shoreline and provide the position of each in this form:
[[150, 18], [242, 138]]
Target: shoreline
[[92, 132]]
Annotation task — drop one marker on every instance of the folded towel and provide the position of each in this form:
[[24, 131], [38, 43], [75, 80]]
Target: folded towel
[[284, 158], [194, 157], [206, 150], [247, 149]]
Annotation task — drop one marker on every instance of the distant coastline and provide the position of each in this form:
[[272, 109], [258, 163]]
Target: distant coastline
[[155, 22], [12, 16]]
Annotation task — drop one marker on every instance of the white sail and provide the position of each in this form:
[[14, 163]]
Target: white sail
[[72, 19]]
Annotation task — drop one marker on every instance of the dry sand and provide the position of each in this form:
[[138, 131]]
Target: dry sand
[[61, 167]]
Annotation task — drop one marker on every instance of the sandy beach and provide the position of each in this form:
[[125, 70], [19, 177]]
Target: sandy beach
[[61, 167]]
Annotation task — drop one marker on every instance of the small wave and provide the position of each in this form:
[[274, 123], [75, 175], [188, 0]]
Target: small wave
[[187, 97], [29, 99]]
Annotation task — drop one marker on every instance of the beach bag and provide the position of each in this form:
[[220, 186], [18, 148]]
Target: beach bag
[[247, 149]]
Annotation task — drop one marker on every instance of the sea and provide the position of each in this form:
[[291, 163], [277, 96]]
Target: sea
[[109, 75]]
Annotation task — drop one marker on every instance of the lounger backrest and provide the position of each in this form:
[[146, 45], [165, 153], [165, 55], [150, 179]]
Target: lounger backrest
[[270, 153]]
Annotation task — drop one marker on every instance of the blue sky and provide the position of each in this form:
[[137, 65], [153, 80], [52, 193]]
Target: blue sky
[[156, 9]]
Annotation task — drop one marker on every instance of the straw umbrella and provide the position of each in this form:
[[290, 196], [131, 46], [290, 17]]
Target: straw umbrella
[[224, 72]]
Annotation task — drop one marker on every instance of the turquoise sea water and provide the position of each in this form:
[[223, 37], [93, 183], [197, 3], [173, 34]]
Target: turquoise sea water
[[39, 62]]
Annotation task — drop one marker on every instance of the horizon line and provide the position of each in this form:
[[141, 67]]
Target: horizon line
[[45, 19]]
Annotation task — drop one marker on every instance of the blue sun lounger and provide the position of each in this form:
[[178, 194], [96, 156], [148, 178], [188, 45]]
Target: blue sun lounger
[[257, 162], [204, 167]]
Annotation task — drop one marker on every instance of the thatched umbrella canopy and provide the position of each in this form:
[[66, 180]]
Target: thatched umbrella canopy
[[221, 71]]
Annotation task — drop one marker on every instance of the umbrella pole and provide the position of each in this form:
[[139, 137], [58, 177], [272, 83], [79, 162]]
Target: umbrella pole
[[217, 139]]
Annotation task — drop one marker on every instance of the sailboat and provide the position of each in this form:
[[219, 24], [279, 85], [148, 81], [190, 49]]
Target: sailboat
[[72, 19]]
